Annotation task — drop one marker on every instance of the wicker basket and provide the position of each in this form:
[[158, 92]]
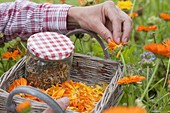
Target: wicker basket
[[88, 69]]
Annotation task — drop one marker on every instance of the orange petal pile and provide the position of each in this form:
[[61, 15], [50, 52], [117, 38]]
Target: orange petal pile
[[125, 109], [18, 82], [162, 49], [165, 16], [147, 28], [25, 105], [83, 98], [12, 55], [131, 79]]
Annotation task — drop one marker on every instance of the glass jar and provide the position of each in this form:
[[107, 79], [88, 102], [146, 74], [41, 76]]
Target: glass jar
[[49, 59]]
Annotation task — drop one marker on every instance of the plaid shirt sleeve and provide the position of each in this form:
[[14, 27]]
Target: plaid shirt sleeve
[[24, 18]]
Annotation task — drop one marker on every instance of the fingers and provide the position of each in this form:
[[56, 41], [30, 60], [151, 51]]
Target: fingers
[[117, 31], [127, 28], [103, 31], [121, 22], [63, 102]]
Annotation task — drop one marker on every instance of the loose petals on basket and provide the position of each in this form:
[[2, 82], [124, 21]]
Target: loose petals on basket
[[18, 82], [82, 97]]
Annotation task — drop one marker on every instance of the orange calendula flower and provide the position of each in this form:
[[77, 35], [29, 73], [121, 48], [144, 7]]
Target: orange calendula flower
[[165, 16], [168, 81], [125, 5], [112, 46], [131, 79], [24, 107], [12, 55], [63, 1], [162, 49], [134, 14], [82, 2], [146, 28], [125, 109]]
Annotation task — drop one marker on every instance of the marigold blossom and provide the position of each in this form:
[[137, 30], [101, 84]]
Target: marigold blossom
[[168, 81], [24, 106], [125, 5], [112, 46], [12, 55], [165, 16], [134, 14], [146, 28], [162, 49], [125, 109], [130, 79]]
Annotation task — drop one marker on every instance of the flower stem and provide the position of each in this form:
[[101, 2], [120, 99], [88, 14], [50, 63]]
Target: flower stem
[[150, 81], [124, 64], [167, 71], [134, 2]]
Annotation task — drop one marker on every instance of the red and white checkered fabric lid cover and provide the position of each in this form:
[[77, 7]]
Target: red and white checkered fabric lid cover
[[50, 46]]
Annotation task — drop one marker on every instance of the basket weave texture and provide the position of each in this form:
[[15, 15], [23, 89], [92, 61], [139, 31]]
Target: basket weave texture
[[88, 69]]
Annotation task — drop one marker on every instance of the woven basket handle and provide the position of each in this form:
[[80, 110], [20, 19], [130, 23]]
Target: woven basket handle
[[77, 31], [34, 92]]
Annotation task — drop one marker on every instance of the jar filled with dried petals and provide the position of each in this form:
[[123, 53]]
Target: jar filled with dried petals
[[49, 59]]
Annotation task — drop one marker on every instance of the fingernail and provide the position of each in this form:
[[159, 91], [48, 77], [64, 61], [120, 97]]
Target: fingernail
[[65, 101], [125, 40], [108, 39]]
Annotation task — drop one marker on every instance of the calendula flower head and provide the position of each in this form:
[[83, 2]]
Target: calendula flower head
[[130, 79], [87, 2], [12, 55], [162, 49], [124, 4], [168, 81], [154, 20], [24, 107], [147, 28], [134, 14], [125, 109], [165, 16], [112, 46]]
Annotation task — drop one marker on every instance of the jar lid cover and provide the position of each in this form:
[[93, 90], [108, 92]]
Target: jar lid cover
[[50, 46]]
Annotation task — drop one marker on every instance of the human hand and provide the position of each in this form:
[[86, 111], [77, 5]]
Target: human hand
[[106, 19], [63, 102]]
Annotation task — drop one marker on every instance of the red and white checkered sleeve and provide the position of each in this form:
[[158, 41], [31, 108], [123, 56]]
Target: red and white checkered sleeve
[[24, 18]]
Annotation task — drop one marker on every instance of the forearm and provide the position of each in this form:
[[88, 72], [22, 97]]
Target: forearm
[[26, 18]]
